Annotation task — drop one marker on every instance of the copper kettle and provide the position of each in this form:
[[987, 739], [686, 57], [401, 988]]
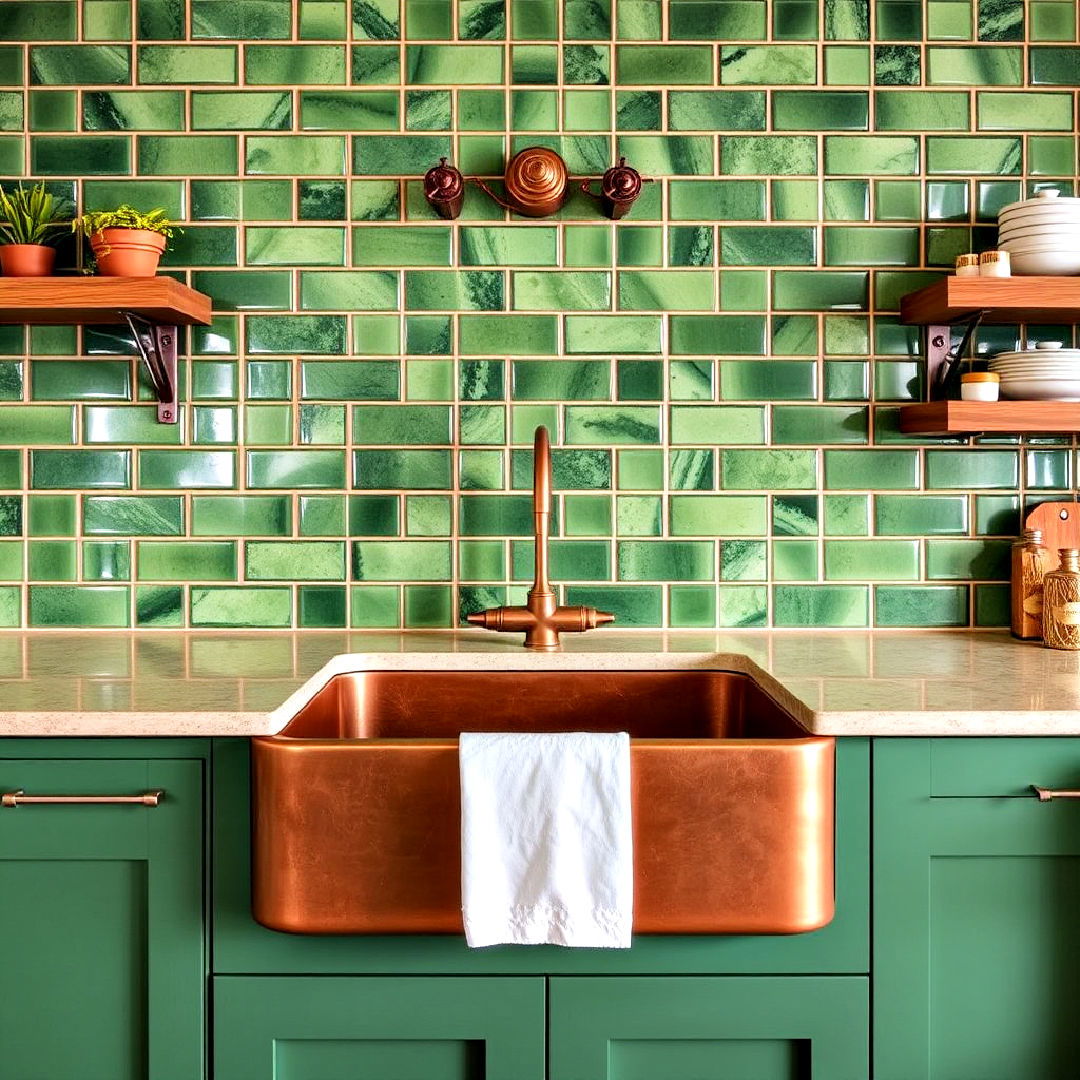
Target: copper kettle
[[536, 181]]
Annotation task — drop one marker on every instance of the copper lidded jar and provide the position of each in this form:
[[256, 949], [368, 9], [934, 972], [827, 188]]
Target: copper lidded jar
[[535, 181], [1061, 603], [1031, 561]]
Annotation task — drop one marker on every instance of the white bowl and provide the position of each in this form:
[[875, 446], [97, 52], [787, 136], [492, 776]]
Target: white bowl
[[1041, 389], [1043, 200], [1064, 232], [1051, 263], [1035, 213], [1051, 351]]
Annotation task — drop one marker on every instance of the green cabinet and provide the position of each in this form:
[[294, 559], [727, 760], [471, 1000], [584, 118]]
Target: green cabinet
[[976, 901], [795, 1028], [101, 922], [381, 1028]]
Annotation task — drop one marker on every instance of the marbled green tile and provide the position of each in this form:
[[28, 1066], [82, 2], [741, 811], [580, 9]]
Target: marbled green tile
[[186, 64], [412, 469], [121, 110], [665, 560], [222, 606], [295, 468], [91, 606], [669, 155], [251, 19], [79, 65], [579, 290], [308, 560], [978, 65], [186, 560], [921, 605], [769, 155], [712, 110], [287, 65], [74, 469], [663, 65], [767, 65], [612, 424], [921, 110], [768, 245], [769, 470], [296, 333], [964, 155], [873, 155]]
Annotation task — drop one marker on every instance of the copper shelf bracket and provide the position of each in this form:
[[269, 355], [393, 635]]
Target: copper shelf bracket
[[157, 347], [942, 361]]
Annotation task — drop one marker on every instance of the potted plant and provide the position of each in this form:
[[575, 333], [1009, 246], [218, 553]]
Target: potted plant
[[126, 242], [28, 224]]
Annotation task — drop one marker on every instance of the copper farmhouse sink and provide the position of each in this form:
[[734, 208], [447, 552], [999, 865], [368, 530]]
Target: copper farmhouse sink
[[357, 801]]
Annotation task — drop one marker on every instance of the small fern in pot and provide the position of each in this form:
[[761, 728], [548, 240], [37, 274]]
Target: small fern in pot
[[29, 223], [126, 242]]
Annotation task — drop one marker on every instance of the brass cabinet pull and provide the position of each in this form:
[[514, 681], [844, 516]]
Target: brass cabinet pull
[[20, 798], [1046, 794]]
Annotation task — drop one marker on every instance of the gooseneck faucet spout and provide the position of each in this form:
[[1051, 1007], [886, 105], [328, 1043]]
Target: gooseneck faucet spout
[[541, 619]]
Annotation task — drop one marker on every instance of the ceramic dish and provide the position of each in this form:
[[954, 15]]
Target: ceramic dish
[[1045, 199], [1053, 262], [1068, 233], [1041, 389]]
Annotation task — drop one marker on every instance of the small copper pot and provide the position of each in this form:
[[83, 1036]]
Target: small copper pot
[[444, 189], [535, 180], [619, 187]]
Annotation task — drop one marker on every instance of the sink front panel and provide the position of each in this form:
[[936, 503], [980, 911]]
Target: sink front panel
[[357, 802]]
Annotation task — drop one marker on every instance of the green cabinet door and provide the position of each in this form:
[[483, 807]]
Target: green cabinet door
[[386, 1028], [102, 951], [976, 910], [749, 1028]]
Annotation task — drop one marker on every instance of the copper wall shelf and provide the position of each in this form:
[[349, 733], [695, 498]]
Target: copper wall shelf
[[151, 307], [536, 184]]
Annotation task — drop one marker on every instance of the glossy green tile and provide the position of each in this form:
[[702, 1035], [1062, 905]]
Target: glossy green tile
[[106, 560], [769, 470], [966, 559], [872, 560], [79, 65], [134, 515], [768, 64], [813, 110], [454, 64], [718, 515], [663, 65], [699, 335], [91, 606], [158, 64], [920, 605], [769, 155], [51, 560], [308, 560], [73, 469], [89, 155], [400, 560], [871, 468], [295, 468], [978, 65], [185, 560], [182, 155], [127, 110], [920, 515], [966, 469], [222, 606], [511, 335], [185, 468], [411, 469], [287, 65]]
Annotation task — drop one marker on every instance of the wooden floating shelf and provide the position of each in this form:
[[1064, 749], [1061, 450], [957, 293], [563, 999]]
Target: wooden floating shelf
[[57, 301], [1004, 300], [985, 417]]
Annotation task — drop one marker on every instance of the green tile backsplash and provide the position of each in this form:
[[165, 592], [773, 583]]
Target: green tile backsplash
[[721, 370]]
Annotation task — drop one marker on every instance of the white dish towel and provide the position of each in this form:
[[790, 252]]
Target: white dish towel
[[546, 839]]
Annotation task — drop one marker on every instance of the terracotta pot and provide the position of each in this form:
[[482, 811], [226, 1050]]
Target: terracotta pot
[[27, 260], [127, 252]]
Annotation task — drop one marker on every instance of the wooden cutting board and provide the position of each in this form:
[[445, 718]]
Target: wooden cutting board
[[1060, 524]]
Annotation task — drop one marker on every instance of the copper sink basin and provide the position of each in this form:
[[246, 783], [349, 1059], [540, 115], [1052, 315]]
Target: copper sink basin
[[357, 804]]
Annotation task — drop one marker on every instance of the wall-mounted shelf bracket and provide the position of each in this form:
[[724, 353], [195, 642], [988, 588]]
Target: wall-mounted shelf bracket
[[943, 361], [156, 343]]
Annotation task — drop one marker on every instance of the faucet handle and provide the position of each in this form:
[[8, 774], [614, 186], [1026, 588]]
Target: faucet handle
[[541, 471]]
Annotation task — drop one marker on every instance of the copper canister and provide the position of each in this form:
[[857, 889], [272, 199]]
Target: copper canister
[[619, 187], [536, 181], [444, 189]]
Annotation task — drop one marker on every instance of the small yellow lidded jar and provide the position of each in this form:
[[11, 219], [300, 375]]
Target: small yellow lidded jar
[[980, 386]]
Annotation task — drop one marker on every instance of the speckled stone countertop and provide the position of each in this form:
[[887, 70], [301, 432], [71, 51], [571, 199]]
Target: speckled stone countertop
[[835, 682]]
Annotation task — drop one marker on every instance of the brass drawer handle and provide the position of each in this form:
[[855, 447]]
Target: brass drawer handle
[[1046, 794], [20, 798]]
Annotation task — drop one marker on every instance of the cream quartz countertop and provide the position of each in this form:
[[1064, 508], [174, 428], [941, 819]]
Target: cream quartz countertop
[[243, 684]]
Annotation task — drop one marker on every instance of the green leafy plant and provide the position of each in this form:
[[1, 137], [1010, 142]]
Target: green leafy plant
[[125, 217], [29, 217]]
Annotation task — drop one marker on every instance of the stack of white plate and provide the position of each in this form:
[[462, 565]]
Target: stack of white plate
[[1046, 372], [1041, 235]]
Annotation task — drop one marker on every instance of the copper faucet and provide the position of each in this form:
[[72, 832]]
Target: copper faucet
[[541, 619]]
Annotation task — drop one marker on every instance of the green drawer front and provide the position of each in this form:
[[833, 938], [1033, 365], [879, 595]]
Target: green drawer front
[[378, 1028], [692, 1028], [1008, 767]]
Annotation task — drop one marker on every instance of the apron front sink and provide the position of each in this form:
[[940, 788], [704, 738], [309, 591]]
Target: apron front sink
[[356, 801]]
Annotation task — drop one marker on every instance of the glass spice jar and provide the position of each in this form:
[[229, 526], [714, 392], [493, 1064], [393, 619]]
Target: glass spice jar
[[1031, 561], [1061, 603]]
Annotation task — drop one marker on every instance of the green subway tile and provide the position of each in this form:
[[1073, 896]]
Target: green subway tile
[[53, 515], [733, 200], [612, 333], [106, 560], [871, 155], [743, 560], [508, 246], [309, 560], [795, 560], [978, 65], [612, 424], [78, 469], [690, 470], [966, 469], [51, 560], [1024, 111], [240, 515], [964, 559], [289, 155], [127, 110], [511, 335], [287, 65], [296, 333], [561, 291], [90, 606], [360, 380], [813, 110], [561, 380], [454, 290], [692, 606], [186, 468], [348, 110], [768, 470], [817, 424], [401, 560], [222, 606], [1054, 65], [897, 65], [663, 65], [321, 606], [182, 155], [132, 515], [768, 245], [871, 468], [454, 65], [125, 424], [798, 290], [89, 155], [920, 515], [106, 20], [742, 606], [356, 290], [731, 424], [632, 605], [321, 515], [295, 468], [296, 246], [872, 560], [712, 110], [795, 515], [412, 469], [768, 64], [701, 335], [186, 64], [40, 20], [690, 19], [921, 605], [755, 380], [79, 65], [718, 515], [846, 515], [921, 110], [820, 605], [186, 560], [408, 246], [397, 424], [49, 110], [964, 155], [665, 560], [768, 155], [239, 19], [580, 470], [37, 424], [875, 245], [639, 515]]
